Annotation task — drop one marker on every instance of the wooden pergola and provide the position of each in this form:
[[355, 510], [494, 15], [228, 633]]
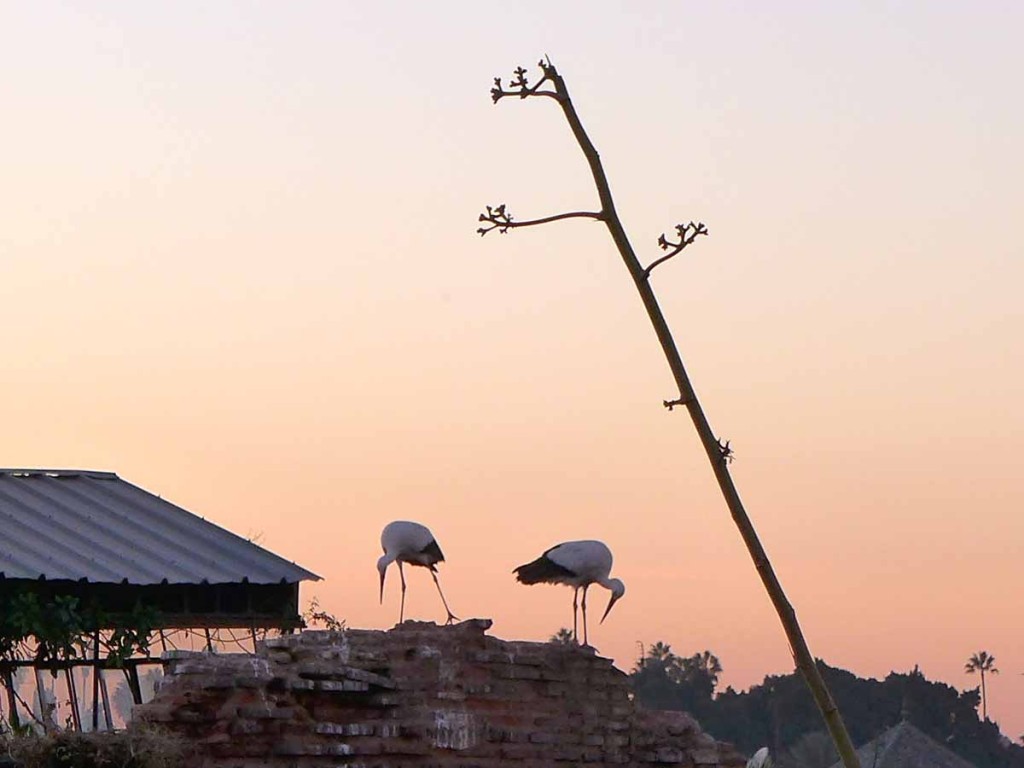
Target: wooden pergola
[[115, 547]]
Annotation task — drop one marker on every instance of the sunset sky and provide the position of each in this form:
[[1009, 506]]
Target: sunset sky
[[240, 269]]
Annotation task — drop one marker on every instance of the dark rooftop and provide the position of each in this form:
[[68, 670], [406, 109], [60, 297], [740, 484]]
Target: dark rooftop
[[81, 525]]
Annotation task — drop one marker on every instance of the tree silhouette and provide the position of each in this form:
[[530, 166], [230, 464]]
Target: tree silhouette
[[706, 663], [662, 653], [665, 680], [982, 662], [812, 750], [719, 452]]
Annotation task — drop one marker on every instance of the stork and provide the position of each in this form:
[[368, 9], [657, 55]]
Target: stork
[[760, 759], [407, 542], [577, 564]]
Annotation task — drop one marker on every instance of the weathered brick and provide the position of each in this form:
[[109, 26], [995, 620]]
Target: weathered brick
[[244, 727], [340, 685], [388, 730], [668, 755], [420, 696], [369, 747], [266, 711], [409, 747], [574, 754], [219, 681], [451, 695], [705, 756], [519, 751]]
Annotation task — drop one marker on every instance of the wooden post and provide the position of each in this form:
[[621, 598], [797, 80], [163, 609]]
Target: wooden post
[[46, 711], [96, 682], [12, 701], [106, 700], [76, 717], [132, 671]]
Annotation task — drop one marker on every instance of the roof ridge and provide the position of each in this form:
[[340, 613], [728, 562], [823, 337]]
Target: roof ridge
[[29, 472], [895, 733]]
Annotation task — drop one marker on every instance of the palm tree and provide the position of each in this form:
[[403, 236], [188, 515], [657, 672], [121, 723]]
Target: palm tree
[[660, 656], [982, 662], [661, 652], [709, 665]]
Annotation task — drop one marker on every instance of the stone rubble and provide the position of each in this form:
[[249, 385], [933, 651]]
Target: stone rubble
[[419, 696]]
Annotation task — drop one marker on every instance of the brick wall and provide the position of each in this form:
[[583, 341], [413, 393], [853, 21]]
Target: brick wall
[[419, 695]]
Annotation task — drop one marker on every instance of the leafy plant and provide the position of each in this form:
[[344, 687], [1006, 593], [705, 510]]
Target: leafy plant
[[62, 630], [562, 637], [315, 616]]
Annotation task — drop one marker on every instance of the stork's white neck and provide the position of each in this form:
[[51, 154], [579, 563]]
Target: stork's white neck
[[615, 586]]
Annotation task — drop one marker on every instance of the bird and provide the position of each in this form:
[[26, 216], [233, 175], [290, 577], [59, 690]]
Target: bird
[[760, 759], [404, 541], [577, 564]]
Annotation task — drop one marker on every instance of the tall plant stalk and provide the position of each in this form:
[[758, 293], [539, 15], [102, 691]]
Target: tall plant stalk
[[719, 453]]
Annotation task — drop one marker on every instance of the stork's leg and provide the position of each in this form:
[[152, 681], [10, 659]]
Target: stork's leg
[[451, 616], [586, 642], [575, 612], [401, 612]]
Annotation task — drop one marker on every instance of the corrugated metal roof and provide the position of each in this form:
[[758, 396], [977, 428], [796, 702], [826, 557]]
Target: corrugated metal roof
[[72, 524]]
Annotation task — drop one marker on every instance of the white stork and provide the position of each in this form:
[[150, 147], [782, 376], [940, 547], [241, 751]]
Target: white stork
[[407, 542], [576, 564]]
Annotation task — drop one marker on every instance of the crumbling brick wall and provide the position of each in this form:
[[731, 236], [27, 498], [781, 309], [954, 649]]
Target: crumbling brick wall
[[420, 695]]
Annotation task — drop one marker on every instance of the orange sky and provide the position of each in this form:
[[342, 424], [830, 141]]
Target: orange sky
[[240, 269]]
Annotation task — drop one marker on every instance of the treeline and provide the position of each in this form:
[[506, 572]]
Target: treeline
[[780, 713]]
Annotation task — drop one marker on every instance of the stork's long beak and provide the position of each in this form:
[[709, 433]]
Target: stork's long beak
[[382, 585], [609, 608]]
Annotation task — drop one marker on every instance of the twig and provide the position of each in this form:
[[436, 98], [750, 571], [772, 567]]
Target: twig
[[687, 234], [501, 220], [726, 452], [522, 88]]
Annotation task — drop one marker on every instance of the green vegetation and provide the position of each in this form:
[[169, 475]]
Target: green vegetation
[[316, 617], [780, 712], [64, 630]]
